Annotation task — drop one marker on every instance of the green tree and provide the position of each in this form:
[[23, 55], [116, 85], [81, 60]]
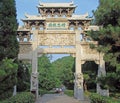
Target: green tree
[[47, 76], [107, 15], [8, 77], [65, 71], [55, 74], [8, 47], [8, 27], [108, 12], [23, 77]]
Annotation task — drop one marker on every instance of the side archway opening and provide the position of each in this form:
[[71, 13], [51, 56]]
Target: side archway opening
[[90, 71]]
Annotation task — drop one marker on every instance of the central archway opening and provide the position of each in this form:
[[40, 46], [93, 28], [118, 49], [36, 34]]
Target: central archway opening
[[55, 70]]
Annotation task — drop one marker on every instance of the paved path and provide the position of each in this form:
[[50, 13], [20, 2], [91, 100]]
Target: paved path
[[57, 98]]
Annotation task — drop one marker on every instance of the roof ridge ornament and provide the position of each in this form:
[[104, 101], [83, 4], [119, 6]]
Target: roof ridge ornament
[[39, 1], [86, 14], [72, 1], [26, 15]]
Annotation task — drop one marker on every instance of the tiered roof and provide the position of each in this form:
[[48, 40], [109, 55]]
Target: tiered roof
[[51, 5], [74, 17]]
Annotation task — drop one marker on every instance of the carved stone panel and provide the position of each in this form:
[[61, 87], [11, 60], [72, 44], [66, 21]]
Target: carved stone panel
[[57, 39], [79, 80], [87, 50], [25, 48], [34, 81], [88, 54]]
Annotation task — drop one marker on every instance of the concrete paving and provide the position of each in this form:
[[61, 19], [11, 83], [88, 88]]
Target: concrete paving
[[57, 98]]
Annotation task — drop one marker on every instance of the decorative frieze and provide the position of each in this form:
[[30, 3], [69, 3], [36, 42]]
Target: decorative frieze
[[25, 48], [56, 39]]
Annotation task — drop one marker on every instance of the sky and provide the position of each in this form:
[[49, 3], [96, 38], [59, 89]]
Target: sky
[[29, 7]]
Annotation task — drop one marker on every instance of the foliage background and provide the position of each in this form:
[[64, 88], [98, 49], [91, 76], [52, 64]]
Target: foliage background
[[107, 15]]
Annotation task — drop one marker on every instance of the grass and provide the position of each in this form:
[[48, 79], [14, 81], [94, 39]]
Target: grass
[[69, 93], [42, 92]]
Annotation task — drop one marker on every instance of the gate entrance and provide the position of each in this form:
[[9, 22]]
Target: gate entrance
[[57, 26]]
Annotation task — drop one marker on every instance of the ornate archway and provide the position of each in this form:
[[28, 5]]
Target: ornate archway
[[56, 32]]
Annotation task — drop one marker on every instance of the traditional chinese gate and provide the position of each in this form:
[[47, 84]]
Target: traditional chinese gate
[[57, 26]]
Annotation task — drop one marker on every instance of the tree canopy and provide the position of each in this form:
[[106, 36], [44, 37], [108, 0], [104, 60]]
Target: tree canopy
[[8, 27], [65, 68], [108, 12], [55, 74], [47, 76]]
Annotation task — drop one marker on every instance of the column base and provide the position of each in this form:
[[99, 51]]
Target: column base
[[103, 92], [35, 92], [79, 93], [34, 84]]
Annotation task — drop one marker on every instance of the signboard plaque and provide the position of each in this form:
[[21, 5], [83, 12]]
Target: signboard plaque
[[56, 26]]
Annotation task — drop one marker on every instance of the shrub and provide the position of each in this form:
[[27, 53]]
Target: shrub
[[96, 98], [24, 97], [6, 94], [8, 74]]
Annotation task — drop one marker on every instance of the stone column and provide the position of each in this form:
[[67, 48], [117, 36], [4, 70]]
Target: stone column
[[34, 75], [101, 71], [78, 83]]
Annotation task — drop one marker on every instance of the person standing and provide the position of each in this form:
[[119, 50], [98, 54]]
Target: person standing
[[63, 89]]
